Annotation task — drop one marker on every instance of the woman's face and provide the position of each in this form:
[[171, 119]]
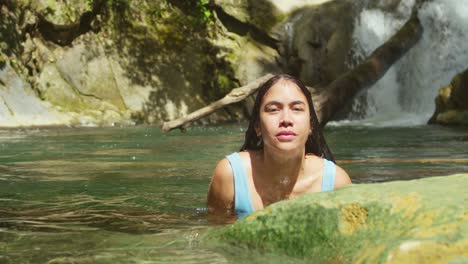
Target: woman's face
[[284, 117]]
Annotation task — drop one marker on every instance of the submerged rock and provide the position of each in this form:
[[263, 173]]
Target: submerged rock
[[452, 102], [418, 221]]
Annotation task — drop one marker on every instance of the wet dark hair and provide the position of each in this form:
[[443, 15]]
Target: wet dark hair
[[315, 143]]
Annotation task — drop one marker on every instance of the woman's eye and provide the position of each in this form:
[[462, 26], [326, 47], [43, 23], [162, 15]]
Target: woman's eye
[[271, 110], [297, 109]]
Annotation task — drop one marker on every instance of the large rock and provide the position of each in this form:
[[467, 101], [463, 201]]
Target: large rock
[[320, 40], [418, 221], [60, 21], [310, 39], [61, 13], [83, 80], [100, 62], [263, 14], [20, 107], [452, 102], [248, 58]]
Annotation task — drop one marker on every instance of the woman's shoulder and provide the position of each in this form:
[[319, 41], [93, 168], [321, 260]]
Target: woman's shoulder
[[245, 154], [314, 160], [318, 163], [222, 172], [221, 190], [342, 178], [224, 166], [248, 155]]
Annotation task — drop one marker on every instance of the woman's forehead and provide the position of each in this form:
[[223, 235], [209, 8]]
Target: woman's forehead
[[284, 90]]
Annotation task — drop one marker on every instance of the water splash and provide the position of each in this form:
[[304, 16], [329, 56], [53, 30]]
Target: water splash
[[405, 95]]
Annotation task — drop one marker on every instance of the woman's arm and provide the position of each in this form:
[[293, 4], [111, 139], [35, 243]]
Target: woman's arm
[[221, 191], [342, 178]]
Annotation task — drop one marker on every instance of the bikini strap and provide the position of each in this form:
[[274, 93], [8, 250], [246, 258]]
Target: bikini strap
[[242, 201], [328, 178]]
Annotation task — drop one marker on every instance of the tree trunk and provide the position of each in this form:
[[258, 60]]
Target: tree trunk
[[347, 86]]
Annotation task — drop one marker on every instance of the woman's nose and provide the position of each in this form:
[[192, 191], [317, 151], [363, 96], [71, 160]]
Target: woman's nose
[[286, 119]]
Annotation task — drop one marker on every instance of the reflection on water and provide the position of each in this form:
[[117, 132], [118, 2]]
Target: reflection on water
[[138, 195]]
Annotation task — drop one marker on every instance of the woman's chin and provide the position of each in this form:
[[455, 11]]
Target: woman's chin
[[289, 148]]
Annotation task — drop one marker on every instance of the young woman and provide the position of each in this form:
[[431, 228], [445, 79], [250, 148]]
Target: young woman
[[284, 154]]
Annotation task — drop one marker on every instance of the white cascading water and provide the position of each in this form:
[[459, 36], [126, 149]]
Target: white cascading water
[[405, 95]]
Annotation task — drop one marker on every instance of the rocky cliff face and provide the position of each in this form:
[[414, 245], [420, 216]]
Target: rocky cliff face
[[106, 62], [308, 39], [102, 62]]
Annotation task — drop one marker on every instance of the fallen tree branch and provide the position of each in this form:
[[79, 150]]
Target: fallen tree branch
[[234, 96]]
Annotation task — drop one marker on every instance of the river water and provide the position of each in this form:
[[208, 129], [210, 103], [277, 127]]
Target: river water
[[137, 195]]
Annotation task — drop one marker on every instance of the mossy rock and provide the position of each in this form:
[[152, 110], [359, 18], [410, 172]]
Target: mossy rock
[[452, 102], [321, 40], [3, 60], [418, 221], [62, 12], [452, 117], [263, 14]]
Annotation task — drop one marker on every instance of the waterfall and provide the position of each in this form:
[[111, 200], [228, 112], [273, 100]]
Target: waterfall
[[406, 93]]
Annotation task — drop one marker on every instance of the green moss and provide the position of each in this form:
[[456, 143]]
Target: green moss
[[264, 14], [3, 60], [62, 12], [453, 117], [65, 99], [9, 36], [167, 44], [224, 83], [451, 104]]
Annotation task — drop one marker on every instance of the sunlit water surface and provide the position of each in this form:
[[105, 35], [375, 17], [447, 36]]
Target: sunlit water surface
[[137, 195]]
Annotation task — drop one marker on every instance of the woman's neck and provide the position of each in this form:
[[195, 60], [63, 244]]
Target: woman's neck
[[276, 173], [283, 167]]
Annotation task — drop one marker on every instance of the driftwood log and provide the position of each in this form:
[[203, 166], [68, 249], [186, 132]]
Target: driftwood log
[[234, 96], [333, 97]]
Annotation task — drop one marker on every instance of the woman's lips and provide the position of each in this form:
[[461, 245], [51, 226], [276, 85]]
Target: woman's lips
[[285, 136]]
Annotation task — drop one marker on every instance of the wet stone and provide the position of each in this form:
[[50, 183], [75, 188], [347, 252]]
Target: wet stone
[[417, 221]]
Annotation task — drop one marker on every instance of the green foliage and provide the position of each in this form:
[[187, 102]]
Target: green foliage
[[89, 3], [2, 61], [119, 3], [112, 3], [198, 12], [9, 35], [203, 6]]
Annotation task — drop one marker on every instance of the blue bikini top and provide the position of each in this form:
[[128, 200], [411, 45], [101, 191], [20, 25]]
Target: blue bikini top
[[243, 203]]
